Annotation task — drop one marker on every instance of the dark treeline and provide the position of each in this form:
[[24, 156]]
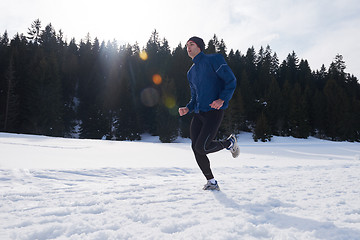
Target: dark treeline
[[52, 87]]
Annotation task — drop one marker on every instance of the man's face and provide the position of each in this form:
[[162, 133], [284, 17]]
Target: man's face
[[192, 49]]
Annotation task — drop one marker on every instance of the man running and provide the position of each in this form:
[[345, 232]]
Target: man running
[[212, 84]]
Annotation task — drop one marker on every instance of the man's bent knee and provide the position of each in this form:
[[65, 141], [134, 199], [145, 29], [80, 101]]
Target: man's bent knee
[[199, 149]]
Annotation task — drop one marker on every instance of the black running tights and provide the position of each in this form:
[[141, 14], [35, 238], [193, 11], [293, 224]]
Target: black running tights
[[203, 129]]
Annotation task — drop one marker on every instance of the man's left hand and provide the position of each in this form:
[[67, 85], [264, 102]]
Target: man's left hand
[[217, 104]]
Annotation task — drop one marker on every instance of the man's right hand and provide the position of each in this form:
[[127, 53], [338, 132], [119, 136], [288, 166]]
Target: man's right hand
[[183, 111]]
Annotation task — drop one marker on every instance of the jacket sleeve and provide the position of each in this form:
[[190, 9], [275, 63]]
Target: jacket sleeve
[[224, 72]]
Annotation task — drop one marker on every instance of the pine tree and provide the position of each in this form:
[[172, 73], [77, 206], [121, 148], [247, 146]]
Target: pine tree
[[127, 120], [167, 120], [34, 32], [298, 117], [274, 64], [167, 116], [292, 63], [234, 118], [94, 120], [262, 130], [273, 109], [21, 53], [211, 46], [4, 39], [45, 96], [70, 80], [304, 74], [4, 69], [318, 113], [11, 103], [127, 123], [337, 67], [216, 46], [236, 63], [335, 109], [150, 67], [284, 124]]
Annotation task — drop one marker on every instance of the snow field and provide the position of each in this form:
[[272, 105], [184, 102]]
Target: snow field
[[52, 188]]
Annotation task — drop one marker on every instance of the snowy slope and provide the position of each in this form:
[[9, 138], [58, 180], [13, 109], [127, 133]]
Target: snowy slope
[[54, 188]]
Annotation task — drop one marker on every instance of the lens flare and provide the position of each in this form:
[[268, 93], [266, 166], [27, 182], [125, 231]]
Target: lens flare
[[157, 79], [143, 55], [149, 97], [169, 102]]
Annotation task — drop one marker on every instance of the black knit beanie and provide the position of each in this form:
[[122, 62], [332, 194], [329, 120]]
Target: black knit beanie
[[199, 42]]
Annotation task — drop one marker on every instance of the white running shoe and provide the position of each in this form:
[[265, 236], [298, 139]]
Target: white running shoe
[[210, 186], [234, 147]]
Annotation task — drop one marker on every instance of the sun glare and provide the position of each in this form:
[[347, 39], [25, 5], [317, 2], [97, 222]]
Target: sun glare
[[157, 79], [169, 102], [143, 55], [149, 97]]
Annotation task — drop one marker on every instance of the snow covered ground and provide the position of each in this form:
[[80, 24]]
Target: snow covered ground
[[54, 188]]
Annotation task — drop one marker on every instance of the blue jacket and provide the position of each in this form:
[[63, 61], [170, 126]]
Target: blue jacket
[[210, 78]]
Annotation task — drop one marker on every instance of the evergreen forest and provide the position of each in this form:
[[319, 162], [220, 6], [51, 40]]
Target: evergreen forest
[[93, 89]]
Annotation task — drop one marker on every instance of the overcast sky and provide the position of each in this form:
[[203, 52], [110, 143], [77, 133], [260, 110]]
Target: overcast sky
[[315, 30]]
